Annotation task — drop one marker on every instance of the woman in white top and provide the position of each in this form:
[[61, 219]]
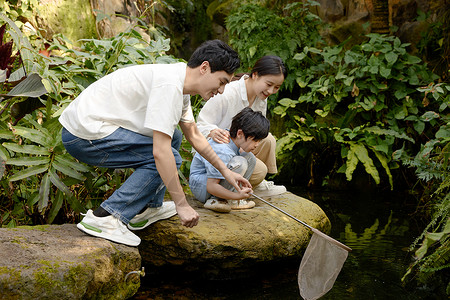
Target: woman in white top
[[251, 90]]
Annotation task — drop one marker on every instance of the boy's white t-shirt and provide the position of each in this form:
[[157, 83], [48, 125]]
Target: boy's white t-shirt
[[219, 111], [140, 98]]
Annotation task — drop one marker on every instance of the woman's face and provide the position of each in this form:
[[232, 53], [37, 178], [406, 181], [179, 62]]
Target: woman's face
[[267, 85]]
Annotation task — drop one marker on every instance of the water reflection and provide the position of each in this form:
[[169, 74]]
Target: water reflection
[[378, 227]]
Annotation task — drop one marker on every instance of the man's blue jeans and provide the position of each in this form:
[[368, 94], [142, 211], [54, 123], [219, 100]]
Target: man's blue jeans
[[125, 149]]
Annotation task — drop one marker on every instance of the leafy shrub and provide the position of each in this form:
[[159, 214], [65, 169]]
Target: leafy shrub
[[256, 31], [39, 179], [359, 105]]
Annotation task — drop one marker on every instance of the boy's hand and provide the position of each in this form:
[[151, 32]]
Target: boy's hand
[[220, 136], [188, 216], [237, 180], [245, 193]]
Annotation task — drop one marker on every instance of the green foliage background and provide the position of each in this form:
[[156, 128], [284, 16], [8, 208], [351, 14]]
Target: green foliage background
[[372, 108]]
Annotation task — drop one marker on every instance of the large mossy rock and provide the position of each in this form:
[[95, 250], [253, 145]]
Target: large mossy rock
[[233, 241], [72, 18], [61, 262]]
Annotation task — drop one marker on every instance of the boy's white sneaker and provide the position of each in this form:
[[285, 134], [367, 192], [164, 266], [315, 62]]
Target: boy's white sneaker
[[110, 228], [268, 188], [153, 214], [218, 205], [241, 204]]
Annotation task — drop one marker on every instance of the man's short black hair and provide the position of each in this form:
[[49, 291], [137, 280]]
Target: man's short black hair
[[252, 123], [220, 56]]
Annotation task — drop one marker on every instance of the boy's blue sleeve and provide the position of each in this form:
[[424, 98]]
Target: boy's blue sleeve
[[222, 150]]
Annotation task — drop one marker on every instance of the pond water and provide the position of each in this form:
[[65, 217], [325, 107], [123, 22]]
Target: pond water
[[378, 227]]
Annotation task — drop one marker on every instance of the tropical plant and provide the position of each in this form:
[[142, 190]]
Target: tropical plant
[[39, 179], [432, 248], [255, 31], [359, 105]]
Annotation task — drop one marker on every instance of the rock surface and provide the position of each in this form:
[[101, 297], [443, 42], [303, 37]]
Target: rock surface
[[235, 240], [61, 262]]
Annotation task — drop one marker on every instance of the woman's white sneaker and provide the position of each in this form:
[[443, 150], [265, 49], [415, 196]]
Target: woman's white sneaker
[[110, 228], [153, 214], [268, 188]]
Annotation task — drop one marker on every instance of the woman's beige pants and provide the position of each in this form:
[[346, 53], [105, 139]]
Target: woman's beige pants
[[265, 160]]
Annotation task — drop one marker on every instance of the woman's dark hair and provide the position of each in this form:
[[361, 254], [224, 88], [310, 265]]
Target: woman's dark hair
[[220, 56], [269, 65], [252, 123]]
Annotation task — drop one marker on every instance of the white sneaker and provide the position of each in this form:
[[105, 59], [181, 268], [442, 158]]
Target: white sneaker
[[153, 214], [268, 188], [218, 205], [110, 228], [241, 204]]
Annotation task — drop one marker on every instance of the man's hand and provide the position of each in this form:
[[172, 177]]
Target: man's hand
[[220, 136], [189, 217]]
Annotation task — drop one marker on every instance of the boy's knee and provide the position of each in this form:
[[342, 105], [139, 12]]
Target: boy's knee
[[237, 164]]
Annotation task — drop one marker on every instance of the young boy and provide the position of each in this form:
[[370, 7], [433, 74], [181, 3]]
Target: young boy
[[248, 127], [127, 119]]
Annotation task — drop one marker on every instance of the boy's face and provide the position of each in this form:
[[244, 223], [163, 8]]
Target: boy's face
[[212, 83], [247, 144]]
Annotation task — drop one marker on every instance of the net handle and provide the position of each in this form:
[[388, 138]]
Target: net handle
[[314, 230]]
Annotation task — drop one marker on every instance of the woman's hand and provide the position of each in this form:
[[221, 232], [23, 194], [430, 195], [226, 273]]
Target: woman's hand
[[220, 136]]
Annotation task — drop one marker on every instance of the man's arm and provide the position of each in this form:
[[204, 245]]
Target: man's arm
[[201, 145], [167, 169]]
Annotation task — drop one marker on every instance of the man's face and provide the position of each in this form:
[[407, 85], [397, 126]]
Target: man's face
[[213, 83]]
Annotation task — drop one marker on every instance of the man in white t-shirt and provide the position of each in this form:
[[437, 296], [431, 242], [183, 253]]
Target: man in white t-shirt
[[128, 119]]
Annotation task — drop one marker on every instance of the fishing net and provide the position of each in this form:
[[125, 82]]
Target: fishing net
[[320, 266], [321, 263]]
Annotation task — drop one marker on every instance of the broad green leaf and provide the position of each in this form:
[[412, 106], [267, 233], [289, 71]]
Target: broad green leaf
[[400, 94], [28, 149], [385, 163], [400, 112], [352, 162], [58, 183], [389, 132], [411, 59], [429, 115], [6, 134], [443, 132], [70, 162], [385, 72], [288, 102], [33, 200], [44, 191], [391, 57], [28, 161], [30, 87], [299, 56], [56, 206], [34, 135], [363, 156], [4, 154], [31, 171], [419, 126], [68, 171]]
